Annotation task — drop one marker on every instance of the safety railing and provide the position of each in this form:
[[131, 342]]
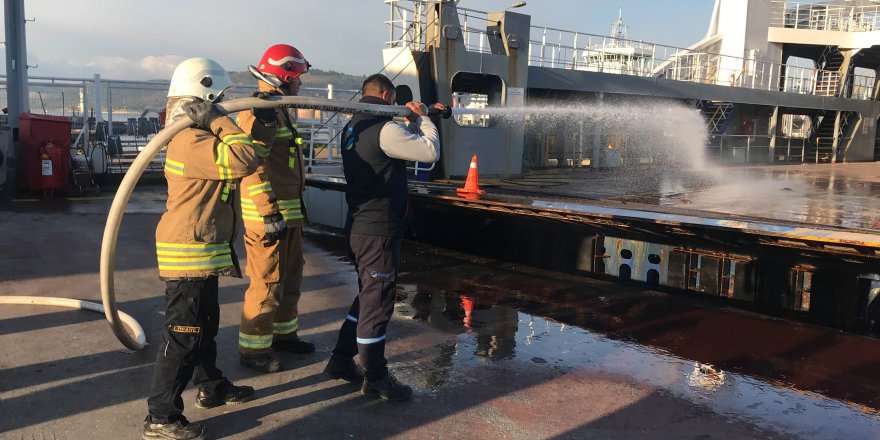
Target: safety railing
[[557, 48], [835, 15], [115, 119], [408, 26], [757, 149]]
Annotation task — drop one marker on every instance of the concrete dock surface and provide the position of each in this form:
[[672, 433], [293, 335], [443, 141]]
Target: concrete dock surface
[[493, 350]]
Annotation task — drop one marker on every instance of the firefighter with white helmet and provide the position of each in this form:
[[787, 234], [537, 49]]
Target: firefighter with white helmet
[[194, 245], [270, 317]]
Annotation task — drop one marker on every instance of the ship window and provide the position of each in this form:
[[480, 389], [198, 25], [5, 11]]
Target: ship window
[[472, 92]]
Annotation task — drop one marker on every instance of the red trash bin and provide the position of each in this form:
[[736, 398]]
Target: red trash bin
[[43, 152]]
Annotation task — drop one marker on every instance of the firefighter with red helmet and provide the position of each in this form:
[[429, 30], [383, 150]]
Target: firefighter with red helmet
[[269, 319]]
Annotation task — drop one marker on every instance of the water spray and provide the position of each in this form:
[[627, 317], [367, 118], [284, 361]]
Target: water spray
[[133, 337]]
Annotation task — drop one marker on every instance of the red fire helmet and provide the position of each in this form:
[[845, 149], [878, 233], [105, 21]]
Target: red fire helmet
[[284, 61]]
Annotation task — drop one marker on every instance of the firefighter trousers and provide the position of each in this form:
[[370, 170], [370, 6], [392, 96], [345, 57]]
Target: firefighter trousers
[[188, 350], [270, 310], [376, 260]]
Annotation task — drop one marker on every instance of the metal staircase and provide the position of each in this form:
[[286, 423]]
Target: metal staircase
[[822, 150], [718, 115], [829, 78]]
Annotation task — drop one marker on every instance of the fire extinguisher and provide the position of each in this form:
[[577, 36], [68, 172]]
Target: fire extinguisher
[[51, 169]]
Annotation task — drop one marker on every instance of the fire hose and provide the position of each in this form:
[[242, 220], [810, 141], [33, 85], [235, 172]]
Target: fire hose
[[133, 337]]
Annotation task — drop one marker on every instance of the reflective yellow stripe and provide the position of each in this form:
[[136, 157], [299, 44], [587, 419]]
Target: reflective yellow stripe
[[224, 195], [192, 247], [239, 138], [289, 203], [254, 341], [188, 261], [223, 152], [285, 328], [299, 140], [291, 209], [193, 256], [173, 167], [283, 133], [259, 188], [249, 210], [261, 149], [166, 267], [223, 161], [183, 264]]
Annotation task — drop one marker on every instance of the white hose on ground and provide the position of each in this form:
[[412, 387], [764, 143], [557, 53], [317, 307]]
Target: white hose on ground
[[126, 187], [126, 319]]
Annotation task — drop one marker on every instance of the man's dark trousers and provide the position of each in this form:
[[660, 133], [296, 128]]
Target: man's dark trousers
[[376, 259], [188, 351]]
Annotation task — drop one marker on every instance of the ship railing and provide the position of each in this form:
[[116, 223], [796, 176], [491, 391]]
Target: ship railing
[[556, 48], [742, 148], [408, 26], [825, 16]]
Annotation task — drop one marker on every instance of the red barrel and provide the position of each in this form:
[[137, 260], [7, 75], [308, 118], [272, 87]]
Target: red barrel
[[43, 152]]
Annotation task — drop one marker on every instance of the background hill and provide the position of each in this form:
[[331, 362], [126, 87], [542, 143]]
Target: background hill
[[315, 78]]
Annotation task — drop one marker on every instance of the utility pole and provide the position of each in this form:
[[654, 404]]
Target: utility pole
[[17, 97], [16, 61]]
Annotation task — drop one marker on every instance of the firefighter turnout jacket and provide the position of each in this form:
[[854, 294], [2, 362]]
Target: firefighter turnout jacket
[[194, 236], [282, 174]]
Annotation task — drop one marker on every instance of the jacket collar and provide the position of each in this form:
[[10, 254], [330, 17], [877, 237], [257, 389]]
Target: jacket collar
[[373, 100]]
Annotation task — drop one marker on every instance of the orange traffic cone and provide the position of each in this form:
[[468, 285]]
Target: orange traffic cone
[[471, 188]]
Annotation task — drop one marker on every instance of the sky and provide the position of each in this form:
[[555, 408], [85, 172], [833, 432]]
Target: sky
[[138, 40]]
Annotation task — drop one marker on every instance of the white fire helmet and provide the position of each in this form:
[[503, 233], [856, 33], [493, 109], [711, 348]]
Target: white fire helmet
[[199, 77]]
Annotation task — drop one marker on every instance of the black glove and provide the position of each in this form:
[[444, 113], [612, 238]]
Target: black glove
[[202, 113], [266, 116], [275, 227]]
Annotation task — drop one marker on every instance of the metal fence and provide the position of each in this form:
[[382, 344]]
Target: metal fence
[[114, 119], [757, 149], [839, 15]]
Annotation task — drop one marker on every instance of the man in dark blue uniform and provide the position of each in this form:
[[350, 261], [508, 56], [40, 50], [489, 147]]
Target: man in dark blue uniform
[[375, 150]]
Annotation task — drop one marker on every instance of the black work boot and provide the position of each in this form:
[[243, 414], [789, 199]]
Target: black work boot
[[295, 345], [387, 388], [344, 369], [225, 394], [179, 430], [267, 363]]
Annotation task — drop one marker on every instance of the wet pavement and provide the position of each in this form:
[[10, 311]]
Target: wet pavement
[[495, 350], [840, 195]]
